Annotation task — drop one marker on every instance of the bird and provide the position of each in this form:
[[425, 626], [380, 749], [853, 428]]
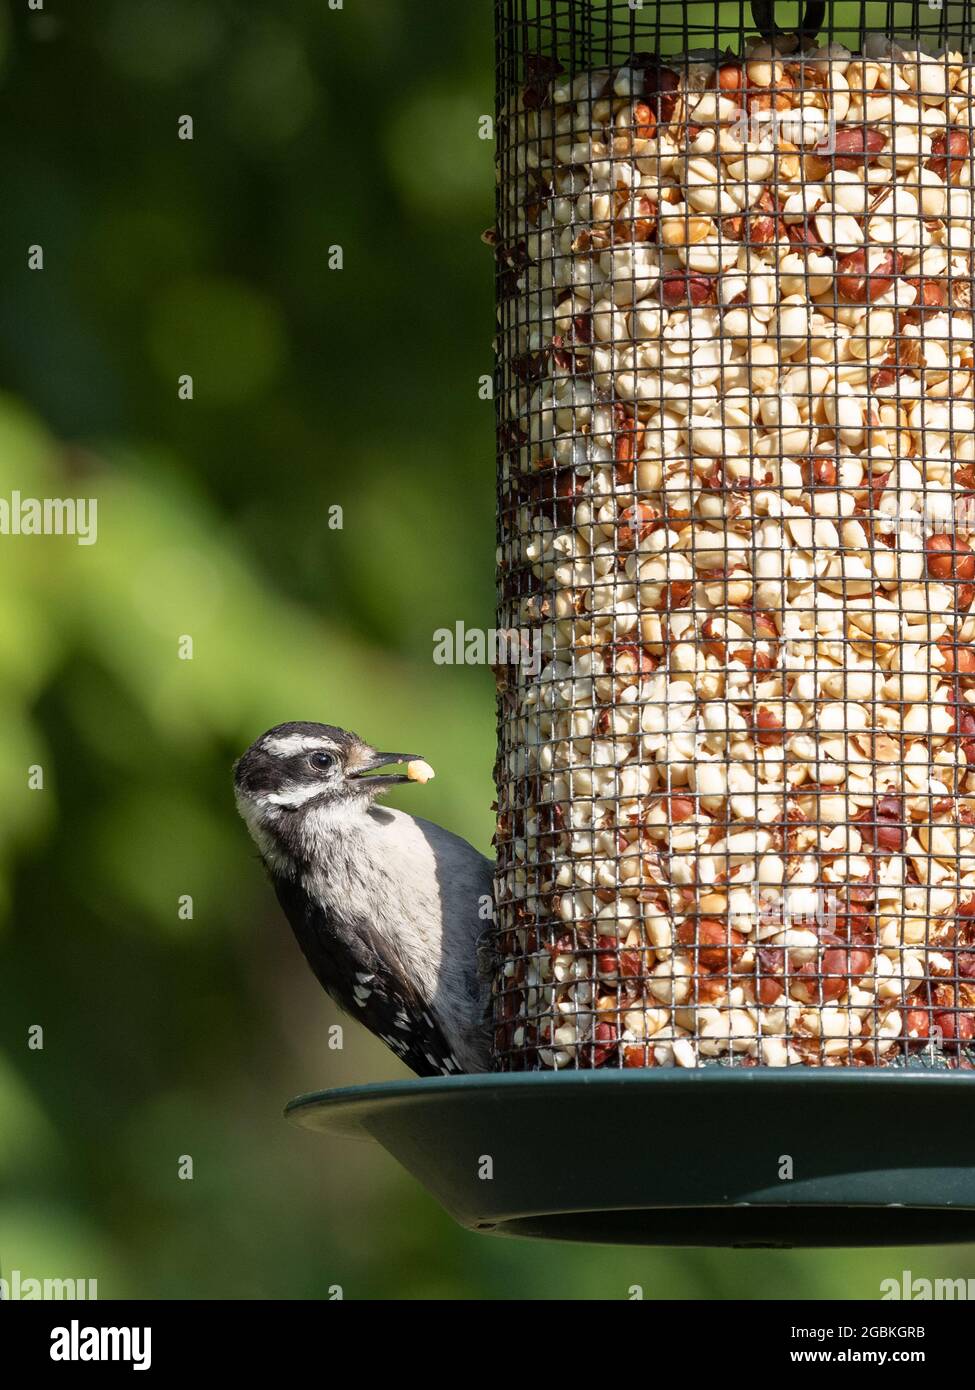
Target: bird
[[393, 913]]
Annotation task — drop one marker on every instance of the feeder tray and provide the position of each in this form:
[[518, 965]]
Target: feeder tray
[[681, 1158]]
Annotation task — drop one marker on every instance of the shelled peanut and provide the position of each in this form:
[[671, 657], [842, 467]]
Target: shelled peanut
[[738, 499]]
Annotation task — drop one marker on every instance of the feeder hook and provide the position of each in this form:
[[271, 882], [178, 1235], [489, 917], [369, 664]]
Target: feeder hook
[[763, 12]]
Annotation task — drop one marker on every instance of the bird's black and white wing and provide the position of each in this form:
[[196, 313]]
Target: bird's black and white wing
[[353, 964]]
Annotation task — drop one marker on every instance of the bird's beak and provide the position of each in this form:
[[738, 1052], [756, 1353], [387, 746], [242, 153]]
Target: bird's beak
[[383, 760]]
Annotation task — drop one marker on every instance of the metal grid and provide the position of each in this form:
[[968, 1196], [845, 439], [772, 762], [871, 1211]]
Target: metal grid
[[736, 463]]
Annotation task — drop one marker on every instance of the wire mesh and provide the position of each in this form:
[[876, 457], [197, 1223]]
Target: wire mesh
[[736, 472]]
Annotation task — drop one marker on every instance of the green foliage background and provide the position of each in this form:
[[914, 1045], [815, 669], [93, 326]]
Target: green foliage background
[[313, 388]]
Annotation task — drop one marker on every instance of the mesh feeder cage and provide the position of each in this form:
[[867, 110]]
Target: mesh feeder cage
[[735, 988]]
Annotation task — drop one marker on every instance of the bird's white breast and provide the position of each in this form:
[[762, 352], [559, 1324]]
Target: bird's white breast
[[418, 887], [378, 866]]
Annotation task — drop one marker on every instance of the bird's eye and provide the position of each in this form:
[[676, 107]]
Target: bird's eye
[[322, 762]]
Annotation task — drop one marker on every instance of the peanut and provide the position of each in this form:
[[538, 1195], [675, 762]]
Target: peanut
[[852, 147], [681, 287]]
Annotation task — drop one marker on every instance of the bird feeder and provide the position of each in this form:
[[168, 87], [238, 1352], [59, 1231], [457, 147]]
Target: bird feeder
[[735, 989]]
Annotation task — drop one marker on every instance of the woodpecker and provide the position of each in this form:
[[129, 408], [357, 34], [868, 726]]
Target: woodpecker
[[392, 912]]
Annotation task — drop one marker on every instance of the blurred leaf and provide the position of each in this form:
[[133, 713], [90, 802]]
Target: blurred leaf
[[270, 91], [27, 1136], [54, 1241], [162, 41], [436, 158], [228, 337]]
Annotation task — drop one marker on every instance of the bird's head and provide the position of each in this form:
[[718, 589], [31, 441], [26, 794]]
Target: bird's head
[[297, 767]]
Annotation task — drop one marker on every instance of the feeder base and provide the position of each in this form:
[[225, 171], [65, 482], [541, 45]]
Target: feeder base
[[686, 1158]]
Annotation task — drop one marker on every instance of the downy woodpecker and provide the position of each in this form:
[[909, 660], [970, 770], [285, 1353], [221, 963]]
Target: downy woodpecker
[[392, 912]]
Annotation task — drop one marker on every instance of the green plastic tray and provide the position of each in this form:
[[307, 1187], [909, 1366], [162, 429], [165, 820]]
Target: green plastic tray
[[682, 1157]]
